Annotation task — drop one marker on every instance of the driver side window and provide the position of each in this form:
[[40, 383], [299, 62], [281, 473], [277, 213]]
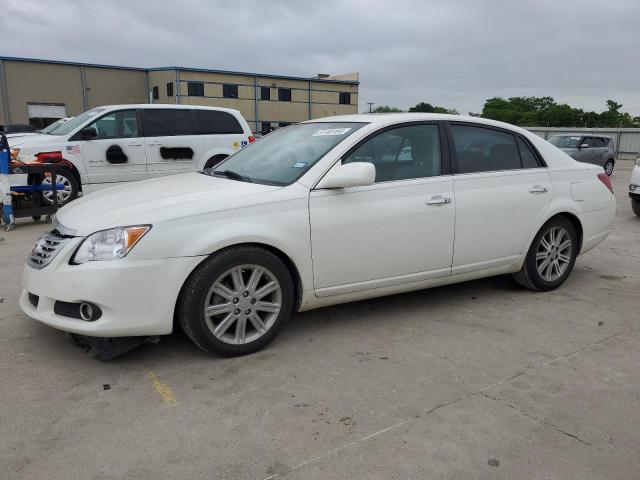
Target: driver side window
[[122, 124], [402, 153]]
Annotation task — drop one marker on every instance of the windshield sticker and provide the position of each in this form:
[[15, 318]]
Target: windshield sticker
[[299, 165], [331, 131], [73, 149]]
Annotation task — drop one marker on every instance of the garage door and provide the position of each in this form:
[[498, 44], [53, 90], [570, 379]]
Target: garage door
[[46, 111]]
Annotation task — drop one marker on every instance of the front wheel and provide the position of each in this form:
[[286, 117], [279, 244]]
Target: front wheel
[[236, 301], [68, 192], [635, 206], [608, 167], [551, 256]]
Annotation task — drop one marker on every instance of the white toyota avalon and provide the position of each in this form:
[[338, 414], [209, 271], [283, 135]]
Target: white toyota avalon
[[314, 214]]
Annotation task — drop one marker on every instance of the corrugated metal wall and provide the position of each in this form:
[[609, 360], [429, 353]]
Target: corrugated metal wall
[[107, 86], [626, 140]]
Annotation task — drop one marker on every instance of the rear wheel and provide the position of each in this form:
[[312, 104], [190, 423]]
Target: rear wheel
[[551, 256], [635, 206], [236, 301], [608, 167]]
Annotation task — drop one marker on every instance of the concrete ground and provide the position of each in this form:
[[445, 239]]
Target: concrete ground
[[478, 380]]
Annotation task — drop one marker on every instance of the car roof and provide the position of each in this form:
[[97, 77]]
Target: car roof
[[168, 106], [382, 119]]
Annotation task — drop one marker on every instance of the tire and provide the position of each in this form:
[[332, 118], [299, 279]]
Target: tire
[[236, 301], [70, 192], [608, 167], [635, 206], [533, 275], [212, 162], [36, 218]]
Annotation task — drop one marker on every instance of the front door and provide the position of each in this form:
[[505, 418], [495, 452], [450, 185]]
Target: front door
[[399, 230], [114, 152], [171, 142], [587, 153], [501, 190]]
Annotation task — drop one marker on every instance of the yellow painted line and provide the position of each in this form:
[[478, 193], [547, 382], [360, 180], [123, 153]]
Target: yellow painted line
[[162, 388]]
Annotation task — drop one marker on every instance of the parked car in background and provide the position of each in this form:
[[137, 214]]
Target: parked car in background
[[634, 188], [596, 149], [108, 145], [15, 130], [319, 213]]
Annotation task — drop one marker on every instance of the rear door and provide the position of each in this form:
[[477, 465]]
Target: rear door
[[116, 153], [501, 189], [171, 142]]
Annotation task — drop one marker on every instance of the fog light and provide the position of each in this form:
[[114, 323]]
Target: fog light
[[90, 312]]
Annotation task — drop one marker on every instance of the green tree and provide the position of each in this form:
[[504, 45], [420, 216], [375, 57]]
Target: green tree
[[386, 109], [428, 108]]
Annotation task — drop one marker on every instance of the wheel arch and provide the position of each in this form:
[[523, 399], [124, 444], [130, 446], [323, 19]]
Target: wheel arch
[[282, 256], [572, 217], [212, 153]]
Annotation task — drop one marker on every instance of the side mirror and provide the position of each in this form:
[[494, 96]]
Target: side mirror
[[88, 133], [356, 174], [585, 145]]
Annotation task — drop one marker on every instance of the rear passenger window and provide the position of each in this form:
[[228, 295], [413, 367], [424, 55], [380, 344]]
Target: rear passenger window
[[216, 122], [402, 153], [481, 149], [527, 156], [167, 122]]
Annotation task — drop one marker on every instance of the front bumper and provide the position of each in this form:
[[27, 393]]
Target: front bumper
[[137, 297]]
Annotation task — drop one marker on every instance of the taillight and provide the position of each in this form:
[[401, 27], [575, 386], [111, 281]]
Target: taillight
[[604, 178], [252, 139], [48, 157]]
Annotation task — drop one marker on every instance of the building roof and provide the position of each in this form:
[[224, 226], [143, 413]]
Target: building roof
[[190, 69]]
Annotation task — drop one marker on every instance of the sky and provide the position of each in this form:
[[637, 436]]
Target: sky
[[454, 53]]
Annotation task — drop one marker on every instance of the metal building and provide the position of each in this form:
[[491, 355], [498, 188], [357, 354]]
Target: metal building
[[41, 91]]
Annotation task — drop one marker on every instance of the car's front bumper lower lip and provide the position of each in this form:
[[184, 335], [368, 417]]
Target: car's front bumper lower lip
[[137, 297]]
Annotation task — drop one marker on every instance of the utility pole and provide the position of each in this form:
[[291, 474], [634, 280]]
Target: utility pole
[[371, 104]]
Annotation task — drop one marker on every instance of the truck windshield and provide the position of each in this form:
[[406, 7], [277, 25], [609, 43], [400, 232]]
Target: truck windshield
[[561, 141], [283, 156], [75, 122]]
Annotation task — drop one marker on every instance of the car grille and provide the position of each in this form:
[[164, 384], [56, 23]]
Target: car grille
[[46, 248], [34, 299], [67, 309]]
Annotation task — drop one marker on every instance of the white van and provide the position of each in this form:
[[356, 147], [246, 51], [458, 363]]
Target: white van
[[125, 143]]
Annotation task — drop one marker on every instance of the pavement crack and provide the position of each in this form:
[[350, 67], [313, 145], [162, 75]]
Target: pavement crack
[[536, 419]]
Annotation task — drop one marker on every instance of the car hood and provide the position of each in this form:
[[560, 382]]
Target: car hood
[[36, 139], [158, 200]]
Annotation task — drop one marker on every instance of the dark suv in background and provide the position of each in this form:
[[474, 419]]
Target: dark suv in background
[[596, 149]]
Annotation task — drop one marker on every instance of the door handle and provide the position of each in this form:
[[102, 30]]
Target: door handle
[[538, 189], [134, 144], [438, 200], [153, 144]]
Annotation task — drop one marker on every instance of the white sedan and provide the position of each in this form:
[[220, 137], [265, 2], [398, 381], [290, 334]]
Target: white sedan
[[324, 212]]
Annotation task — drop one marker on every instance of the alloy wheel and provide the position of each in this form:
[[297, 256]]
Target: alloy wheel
[[608, 168], [243, 304], [553, 255]]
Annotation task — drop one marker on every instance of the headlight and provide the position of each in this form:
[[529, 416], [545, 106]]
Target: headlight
[[109, 244]]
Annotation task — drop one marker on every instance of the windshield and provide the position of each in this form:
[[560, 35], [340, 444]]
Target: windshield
[[54, 125], [564, 142], [75, 122], [283, 156]]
